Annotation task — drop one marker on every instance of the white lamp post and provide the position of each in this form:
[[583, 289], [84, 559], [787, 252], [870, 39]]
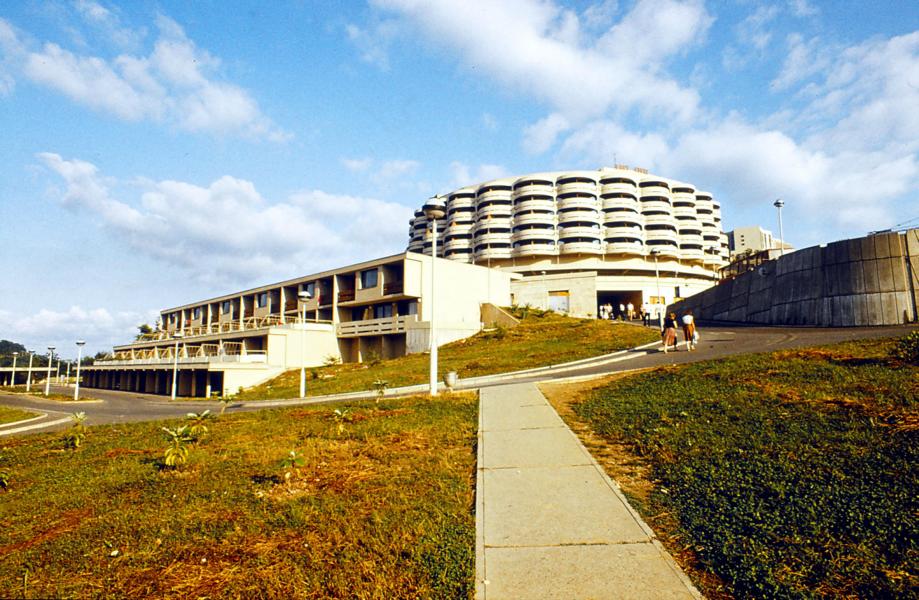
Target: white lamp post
[[175, 362], [304, 297], [76, 387], [29, 374], [657, 278], [13, 379], [779, 203], [48, 378], [433, 210]]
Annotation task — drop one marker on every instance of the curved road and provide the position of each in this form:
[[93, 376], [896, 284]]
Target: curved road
[[716, 342]]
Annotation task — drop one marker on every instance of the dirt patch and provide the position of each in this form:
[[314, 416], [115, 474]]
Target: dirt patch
[[69, 521]]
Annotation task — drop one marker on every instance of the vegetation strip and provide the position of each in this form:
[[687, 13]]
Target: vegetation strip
[[541, 339], [780, 475], [10, 415], [372, 499]]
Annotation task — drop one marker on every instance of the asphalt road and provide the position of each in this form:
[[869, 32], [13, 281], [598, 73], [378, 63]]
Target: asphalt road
[[716, 342]]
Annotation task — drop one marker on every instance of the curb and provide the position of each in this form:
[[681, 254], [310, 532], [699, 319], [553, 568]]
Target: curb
[[36, 426]]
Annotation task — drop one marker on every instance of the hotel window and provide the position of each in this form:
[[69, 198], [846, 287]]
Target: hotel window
[[262, 300], [368, 279], [196, 313], [381, 311], [225, 307]]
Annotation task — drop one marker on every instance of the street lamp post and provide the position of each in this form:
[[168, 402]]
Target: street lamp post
[[304, 296], [13, 378], [76, 387], [779, 203], [29, 374], [657, 278], [175, 361], [433, 210], [48, 377]]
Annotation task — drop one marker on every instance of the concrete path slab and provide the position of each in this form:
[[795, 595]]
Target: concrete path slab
[[549, 522]]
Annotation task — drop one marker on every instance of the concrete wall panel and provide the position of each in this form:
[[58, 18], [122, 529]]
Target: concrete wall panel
[[872, 281]]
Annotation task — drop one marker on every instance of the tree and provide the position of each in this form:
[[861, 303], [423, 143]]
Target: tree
[[143, 329]]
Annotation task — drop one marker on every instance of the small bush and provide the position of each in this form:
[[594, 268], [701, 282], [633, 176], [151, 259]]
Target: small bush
[[176, 453], [77, 434], [907, 348]]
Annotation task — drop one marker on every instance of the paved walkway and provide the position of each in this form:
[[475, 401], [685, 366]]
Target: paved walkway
[[549, 522]]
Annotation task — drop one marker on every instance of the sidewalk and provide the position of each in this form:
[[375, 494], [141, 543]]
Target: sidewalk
[[549, 522]]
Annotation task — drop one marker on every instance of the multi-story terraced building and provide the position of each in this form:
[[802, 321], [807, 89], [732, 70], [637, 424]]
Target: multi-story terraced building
[[584, 238]]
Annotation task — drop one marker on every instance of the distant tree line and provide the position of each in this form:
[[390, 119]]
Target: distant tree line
[[39, 360]]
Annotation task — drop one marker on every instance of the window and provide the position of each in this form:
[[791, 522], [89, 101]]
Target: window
[[225, 307], [262, 300], [369, 279], [309, 288], [381, 311], [413, 308], [196, 313]]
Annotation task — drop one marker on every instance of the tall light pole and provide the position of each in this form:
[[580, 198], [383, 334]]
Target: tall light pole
[[433, 210], [178, 335], [304, 296], [13, 379], [76, 387], [48, 378], [29, 375], [657, 278], [545, 286], [779, 203]]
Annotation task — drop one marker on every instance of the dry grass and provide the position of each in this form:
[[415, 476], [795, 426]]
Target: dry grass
[[381, 510], [11, 415]]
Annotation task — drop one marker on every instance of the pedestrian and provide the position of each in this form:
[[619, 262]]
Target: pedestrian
[[609, 311], [668, 334], [646, 314], [621, 310], [631, 309], [602, 312], [689, 330]]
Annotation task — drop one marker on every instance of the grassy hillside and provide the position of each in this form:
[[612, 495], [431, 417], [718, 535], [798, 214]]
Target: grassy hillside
[[378, 505], [783, 475], [542, 338]]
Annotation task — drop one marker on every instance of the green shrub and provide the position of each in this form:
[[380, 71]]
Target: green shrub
[[907, 348]]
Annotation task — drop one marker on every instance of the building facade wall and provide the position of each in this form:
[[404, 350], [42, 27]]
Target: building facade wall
[[857, 282]]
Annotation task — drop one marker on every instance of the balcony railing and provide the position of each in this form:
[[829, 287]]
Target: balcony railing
[[247, 324], [396, 287], [346, 296], [382, 326]]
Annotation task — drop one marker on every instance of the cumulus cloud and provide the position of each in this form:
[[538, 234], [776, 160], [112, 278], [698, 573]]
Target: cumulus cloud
[[98, 327], [108, 23], [463, 174], [540, 48], [176, 83], [373, 43], [541, 135], [226, 233]]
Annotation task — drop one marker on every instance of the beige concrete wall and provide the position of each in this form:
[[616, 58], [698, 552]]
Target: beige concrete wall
[[318, 342], [857, 282]]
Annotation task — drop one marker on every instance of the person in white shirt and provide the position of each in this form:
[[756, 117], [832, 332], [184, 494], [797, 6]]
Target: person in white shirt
[[689, 330]]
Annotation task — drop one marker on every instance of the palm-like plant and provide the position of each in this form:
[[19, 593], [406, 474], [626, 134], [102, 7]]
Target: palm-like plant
[[77, 434], [177, 439], [291, 465], [197, 424]]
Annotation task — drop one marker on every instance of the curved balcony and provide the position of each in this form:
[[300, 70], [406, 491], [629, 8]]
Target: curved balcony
[[416, 246], [580, 246], [457, 228], [623, 231], [456, 244], [494, 211], [459, 255], [618, 185], [612, 219], [654, 188], [492, 193], [711, 259], [704, 205], [496, 222], [576, 183], [655, 205], [691, 238], [460, 200], [708, 221], [533, 234], [684, 211], [493, 238], [534, 185], [621, 203], [584, 230], [691, 253], [535, 248], [664, 248], [711, 238], [535, 203], [461, 212], [624, 246], [580, 201], [658, 221], [483, 253], [533, 218], [589, 215], [657, 235]]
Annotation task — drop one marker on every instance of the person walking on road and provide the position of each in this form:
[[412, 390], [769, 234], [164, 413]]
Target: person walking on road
[[668, 335], [689, 330], [631, 308]]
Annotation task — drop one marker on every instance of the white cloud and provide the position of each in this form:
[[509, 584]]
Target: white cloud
[[98, 327], [537, 47], [541, 135], [357, 165], [489, 121], [802, 8], [804, 59], [374, 42], [226, 233], [108, 23], [175, 84], [463, 175]]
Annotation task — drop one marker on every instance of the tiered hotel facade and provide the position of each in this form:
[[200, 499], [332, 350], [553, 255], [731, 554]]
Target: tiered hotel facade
[[584, 238]]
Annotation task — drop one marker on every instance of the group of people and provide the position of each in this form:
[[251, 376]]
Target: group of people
[[669, 331], [627, 311]]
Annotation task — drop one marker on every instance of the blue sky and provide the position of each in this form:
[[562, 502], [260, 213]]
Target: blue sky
[[156, 153]]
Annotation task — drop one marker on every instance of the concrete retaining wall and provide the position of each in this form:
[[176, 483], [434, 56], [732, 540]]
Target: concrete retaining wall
[[872, 280]]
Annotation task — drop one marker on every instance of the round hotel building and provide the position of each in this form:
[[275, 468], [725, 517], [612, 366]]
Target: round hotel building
[[579, 239]]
